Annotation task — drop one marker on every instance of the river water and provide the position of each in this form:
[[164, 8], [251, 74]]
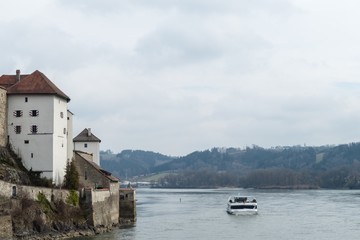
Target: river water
[[282, 214]]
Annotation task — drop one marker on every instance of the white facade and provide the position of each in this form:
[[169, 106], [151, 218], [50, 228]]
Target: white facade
[[91, 148], [37, 130], [70, 145]]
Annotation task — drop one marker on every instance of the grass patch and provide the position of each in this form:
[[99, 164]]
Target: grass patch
[[44, 203], [319, 157], [152, 178]]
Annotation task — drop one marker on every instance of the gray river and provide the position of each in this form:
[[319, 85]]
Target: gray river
[[282, 214]]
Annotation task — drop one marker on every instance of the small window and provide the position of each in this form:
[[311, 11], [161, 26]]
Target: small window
[[13, 193], [86, 175], [85, 145], [17, 129], [34, 113], [34, 129], [26, 99], [61, 114], [32, 155], [64, 130], [18, 113], [26, 141]]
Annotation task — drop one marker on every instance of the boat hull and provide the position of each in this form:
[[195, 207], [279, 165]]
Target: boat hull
[[242, 212]]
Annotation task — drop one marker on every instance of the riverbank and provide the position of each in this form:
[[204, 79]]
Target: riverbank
[[64, 235]]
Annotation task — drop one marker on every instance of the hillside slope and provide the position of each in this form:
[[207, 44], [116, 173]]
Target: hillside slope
[[234, 160], [11, 168]]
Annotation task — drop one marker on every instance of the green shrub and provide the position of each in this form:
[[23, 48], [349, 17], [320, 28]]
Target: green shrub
[[44, 203], [41, 198], [72, 198]]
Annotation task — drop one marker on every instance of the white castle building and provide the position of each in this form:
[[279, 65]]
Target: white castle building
[[36, 123]]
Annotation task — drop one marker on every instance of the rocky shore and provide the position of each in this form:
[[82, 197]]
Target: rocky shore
[[63, 235]]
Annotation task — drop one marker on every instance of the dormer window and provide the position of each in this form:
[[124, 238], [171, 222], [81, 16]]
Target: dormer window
[[34, 113], [34, 129], [18, 113]]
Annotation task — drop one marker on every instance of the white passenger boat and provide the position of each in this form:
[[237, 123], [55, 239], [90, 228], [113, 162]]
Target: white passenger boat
[[241, 205]]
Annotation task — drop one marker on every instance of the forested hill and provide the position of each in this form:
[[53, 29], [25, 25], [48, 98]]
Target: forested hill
[[131, 163]]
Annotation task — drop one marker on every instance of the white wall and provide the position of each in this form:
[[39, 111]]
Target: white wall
[[92, 148], [70, 145], [60, 139], [47, 150], [41, 160]]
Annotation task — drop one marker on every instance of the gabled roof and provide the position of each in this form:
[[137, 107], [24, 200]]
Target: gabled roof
[[86, 136], [88, 158], [9, 80], [34, 83]]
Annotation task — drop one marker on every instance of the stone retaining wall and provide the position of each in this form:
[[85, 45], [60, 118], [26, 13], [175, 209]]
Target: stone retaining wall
[[6, 231], [101, 206], [13, 190], [127, 205], [3, 118]]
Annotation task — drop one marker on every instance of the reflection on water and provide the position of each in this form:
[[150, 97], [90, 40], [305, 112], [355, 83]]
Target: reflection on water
[[283, 214]]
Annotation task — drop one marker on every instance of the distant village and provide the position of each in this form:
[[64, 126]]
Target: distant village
[[36, 124]]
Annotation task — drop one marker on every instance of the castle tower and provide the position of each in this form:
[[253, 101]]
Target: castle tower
[[87, 142]]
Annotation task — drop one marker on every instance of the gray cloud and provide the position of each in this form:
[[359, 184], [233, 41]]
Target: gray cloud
[[181, 75]]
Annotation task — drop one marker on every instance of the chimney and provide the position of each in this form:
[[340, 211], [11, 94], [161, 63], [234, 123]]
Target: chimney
[[17, 75], [89, 132]]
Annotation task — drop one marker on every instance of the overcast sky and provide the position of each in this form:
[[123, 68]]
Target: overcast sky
[[177, 76]]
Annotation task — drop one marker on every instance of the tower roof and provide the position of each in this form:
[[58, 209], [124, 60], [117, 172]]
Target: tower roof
[[34, 83], [86, 136]]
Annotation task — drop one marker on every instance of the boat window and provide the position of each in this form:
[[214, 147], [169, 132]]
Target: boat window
[[241, 199], [243, 207]]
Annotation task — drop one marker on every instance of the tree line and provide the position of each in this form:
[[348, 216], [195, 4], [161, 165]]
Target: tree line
[[282, 166], [343, 177]]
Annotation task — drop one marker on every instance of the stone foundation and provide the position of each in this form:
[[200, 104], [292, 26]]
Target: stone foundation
[[6, 231], [127, 206]]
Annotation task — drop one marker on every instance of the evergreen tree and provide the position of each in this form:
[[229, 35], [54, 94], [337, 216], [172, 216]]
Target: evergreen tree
[[71, 178]]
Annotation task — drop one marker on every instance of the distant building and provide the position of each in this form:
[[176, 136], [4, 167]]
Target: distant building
[[87, 142], [38, 123]]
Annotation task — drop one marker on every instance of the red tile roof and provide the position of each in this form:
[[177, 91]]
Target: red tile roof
[[9, 80], [34, 83]]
